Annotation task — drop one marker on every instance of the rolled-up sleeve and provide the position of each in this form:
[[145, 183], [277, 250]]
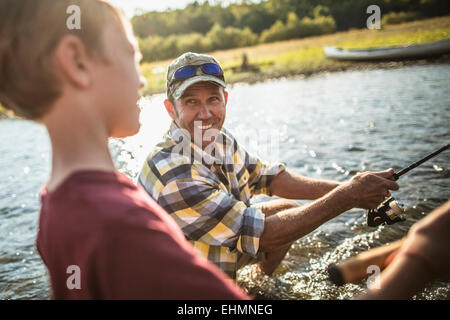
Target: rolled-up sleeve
[[253, 226], [261, 174], [207, 213]]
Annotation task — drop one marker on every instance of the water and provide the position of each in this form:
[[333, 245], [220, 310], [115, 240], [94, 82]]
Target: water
[[327, 126]]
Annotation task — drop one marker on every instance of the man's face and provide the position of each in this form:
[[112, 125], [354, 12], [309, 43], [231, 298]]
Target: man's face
[[202, 107], [118, 82]]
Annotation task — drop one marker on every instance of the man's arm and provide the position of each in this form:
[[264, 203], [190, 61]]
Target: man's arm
[[290, 185], [208, 214], [365, 190]]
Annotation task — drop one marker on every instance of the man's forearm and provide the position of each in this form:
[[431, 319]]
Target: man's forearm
[[290, 185], [289, 225]]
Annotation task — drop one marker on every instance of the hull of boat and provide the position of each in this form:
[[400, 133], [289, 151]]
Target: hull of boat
[[389, 53]]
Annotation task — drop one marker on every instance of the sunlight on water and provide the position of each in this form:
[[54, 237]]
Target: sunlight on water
[[131, 152]]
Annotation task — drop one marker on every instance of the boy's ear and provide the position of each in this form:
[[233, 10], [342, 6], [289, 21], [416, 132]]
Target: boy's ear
[[73, 61], [170, 109]]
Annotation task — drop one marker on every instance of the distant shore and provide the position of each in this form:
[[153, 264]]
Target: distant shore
[[305, 56], [273, 75], [252, 78]]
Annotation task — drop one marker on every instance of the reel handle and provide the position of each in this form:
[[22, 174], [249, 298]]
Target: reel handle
[[388, 212]]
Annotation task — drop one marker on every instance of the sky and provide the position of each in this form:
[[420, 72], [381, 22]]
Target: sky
[[130, 6]]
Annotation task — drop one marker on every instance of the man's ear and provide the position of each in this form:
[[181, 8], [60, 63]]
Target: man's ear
[[73, 61], [170, 109], [225, 93]]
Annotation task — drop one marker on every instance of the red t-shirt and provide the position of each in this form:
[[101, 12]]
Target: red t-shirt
[[101, 230]]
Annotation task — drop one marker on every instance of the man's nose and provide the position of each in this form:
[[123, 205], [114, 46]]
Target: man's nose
[[205, 112]]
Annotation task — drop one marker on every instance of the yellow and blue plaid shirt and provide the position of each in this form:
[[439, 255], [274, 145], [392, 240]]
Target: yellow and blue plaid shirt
[[209, 196]]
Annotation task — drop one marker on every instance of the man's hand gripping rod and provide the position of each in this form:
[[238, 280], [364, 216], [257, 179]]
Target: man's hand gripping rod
[[389, 211]]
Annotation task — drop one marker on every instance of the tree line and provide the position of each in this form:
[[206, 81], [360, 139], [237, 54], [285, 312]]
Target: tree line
[[204, 27]]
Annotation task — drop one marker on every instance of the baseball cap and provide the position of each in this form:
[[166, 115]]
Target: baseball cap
[[176, 87]]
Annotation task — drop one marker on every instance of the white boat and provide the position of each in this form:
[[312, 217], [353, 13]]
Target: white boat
[[389, 53]]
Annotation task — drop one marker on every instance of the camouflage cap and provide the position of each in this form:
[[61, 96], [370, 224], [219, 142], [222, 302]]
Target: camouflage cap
[[175, 88]]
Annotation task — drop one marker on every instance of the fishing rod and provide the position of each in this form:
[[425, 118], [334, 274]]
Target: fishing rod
[[390, 211]]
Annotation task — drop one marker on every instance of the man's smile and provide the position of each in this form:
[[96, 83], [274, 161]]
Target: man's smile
[[204, 125]]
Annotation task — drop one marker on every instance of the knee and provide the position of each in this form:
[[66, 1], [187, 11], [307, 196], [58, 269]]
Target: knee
[[267, 270]]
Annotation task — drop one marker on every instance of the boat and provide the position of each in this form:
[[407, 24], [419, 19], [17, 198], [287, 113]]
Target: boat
[[390, 53]]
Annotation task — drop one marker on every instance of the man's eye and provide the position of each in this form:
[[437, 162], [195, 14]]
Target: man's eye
[[191, 101]]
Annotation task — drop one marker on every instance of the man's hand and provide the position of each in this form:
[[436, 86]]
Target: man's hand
[[368, 189]]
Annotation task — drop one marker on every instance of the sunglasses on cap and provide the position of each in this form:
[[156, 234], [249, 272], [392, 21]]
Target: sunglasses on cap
[[191, 70]]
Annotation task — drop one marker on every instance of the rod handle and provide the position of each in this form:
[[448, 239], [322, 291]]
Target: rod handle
[[354, 269]]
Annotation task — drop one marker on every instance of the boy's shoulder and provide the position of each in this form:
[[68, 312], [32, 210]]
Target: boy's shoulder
[[95, 199]]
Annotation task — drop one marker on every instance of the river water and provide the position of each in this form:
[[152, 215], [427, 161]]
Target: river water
[[326, 126]]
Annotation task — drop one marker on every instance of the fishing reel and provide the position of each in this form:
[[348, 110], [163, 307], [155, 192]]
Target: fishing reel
[[388, 212]]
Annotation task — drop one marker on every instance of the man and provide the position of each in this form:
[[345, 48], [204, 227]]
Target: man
[[100, 236], [202, 176]]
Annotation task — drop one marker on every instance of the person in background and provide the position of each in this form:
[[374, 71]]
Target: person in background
[[100, 236]]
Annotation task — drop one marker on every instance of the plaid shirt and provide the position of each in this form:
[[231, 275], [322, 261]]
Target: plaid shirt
[[209, 196]]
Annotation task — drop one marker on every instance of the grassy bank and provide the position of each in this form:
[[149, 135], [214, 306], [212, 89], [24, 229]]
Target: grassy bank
[[305, 56], [3, 112], [6, 114]]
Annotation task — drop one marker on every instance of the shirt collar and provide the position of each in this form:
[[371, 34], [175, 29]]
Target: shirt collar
[[223, 145]]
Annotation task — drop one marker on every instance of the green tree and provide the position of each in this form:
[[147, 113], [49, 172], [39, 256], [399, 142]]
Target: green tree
[[257, 19], [204, 26], [230, 37], [195, 42], [296, 28], [321, 11], [276, 33]]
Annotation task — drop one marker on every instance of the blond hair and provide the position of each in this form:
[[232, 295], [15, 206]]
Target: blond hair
[[30, 30]]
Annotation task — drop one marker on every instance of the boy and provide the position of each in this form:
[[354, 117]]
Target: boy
[[100, 236]]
